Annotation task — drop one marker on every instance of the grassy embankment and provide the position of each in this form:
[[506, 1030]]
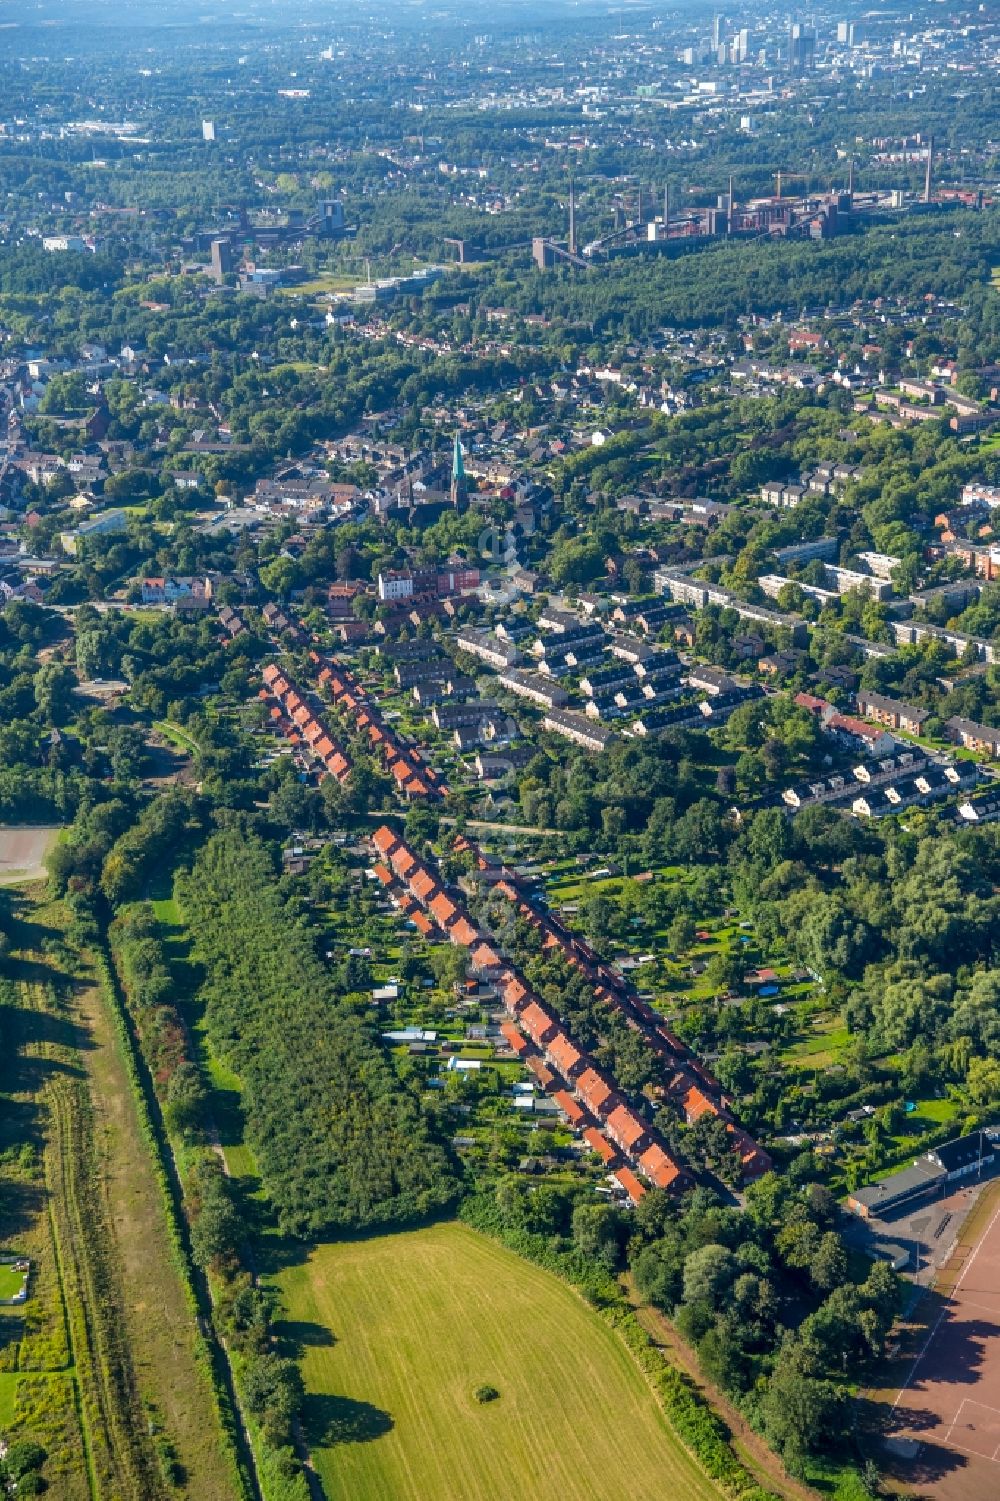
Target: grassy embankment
[[103, 1365]]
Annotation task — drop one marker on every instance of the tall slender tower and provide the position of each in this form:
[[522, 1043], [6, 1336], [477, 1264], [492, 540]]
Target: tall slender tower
[[572, 218], [459, 483], [930, 169], [850, 182], [731, 212], [666, 208]]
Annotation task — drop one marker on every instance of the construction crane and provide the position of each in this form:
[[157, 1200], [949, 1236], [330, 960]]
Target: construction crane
[[795, 176]]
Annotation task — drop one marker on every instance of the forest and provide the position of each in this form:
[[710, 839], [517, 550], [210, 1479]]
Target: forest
[[340, 1142]]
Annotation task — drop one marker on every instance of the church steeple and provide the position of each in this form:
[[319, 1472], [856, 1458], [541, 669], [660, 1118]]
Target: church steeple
[[459, 483]]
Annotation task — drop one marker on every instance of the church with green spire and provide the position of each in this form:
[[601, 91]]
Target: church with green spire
[[459, 483]]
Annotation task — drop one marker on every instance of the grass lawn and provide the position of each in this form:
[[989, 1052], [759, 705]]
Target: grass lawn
[[10, 1282], [176, 736], [398, 1331]]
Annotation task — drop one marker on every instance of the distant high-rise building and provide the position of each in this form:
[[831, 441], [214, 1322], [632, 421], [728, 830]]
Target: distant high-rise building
[[856, 35], [208, 130], [717, 24], [742, 44], [222, 259], [459, 483], [801, 47], [843, 32]]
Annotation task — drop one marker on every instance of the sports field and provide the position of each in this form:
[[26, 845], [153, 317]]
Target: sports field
[[398, 1331], [944, 1423]]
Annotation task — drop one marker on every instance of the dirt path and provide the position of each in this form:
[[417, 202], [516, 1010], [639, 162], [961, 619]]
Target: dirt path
[[762, 1462]]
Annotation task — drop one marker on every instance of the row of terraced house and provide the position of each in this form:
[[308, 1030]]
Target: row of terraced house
[[301, 724], [588, 1097], [413, 776], [687, 1084]]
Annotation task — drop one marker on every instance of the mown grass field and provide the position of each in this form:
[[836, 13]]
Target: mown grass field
[[398, 1331]]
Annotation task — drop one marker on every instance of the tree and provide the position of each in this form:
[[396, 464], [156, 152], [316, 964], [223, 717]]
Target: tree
[[53, 688], [708, 1274], [659, 1273], [596, 1229], [273, 1389], [800, 1411], [982, 1082], [128, 753], [185, 1101], [829, 1264], [681, 933]]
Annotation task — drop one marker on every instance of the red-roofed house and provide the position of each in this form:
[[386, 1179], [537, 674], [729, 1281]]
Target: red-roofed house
[[385, 840], [625, 1127], [564, 1055], [598, 1142], [594, 1093], [537, 1023], [697, 1104], [463, 932], [627, 1180], [570, 1109], [485, 958], [514, 1037], [541, 1071], [443, 909], [659, 1167], [423, 884]]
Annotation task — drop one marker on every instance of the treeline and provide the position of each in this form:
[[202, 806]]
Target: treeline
[[635, 297], [112, 848], [767, 1299], [340, 1143]]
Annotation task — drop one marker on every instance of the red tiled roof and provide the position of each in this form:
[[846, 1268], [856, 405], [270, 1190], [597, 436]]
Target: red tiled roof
[[537, 1023], [514, 992], [569, 1107], [541, 1070], [628, 1180], [403, 860], [485, 957], [599, 1143], [385, 839], [513, 1036], [384, 874], [659, 1166], [463, 932], [423, 884], [625, 1127], [564, 1055], [443, 908], [697, 1104], [594, 1092]]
